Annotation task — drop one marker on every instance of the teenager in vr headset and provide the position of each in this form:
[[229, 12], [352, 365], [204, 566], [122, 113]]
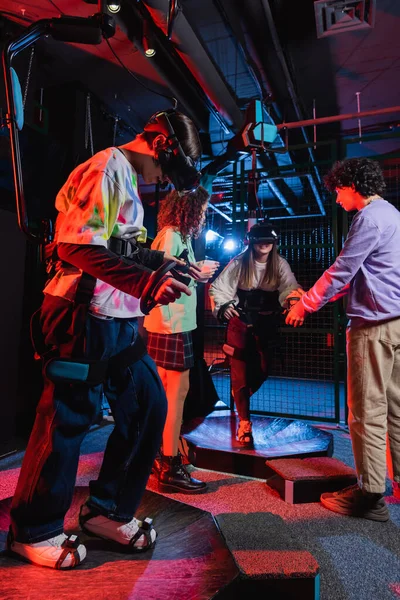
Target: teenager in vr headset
[[249, 294], [90, 310]]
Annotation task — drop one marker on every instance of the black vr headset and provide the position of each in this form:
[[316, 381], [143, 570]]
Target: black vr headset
[[179, 168], [261, 233]]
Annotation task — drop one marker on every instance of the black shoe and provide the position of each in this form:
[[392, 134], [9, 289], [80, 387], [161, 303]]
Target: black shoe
[[174, 477], [354, 502], [157, 464]]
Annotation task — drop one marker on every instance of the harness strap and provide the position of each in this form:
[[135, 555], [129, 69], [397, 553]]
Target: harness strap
[[128, 355], [85, 289], [86, 371], [93, 372], [121, 247]]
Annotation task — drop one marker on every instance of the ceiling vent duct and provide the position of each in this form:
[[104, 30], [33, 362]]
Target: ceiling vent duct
[[337, 16]]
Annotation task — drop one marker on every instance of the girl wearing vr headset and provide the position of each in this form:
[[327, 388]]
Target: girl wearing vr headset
[[181, 218], [249, 294], [100, 218]]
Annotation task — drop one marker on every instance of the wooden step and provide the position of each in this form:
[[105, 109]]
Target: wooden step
[[301, 480]]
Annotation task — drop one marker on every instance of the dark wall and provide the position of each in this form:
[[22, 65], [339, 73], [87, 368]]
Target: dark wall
[[52, 143], [12, 268]]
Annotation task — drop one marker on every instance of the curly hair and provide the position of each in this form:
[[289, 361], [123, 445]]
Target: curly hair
[[184, 210], [365, 174]]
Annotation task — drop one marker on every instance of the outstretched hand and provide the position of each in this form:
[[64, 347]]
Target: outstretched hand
[[230, 312], [168, 257], [203, 270], [296, 315], [194, 271], [170, 290], [297, 293]]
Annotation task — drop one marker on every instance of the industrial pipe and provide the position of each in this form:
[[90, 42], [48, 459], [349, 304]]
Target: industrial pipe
[[345, 117]]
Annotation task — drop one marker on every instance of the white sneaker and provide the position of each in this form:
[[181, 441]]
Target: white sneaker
[[139, 535], [60, 552]]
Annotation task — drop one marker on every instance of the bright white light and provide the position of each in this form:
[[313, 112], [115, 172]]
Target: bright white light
[[211, 235], [114, 7], [229, 245], [150, 52]]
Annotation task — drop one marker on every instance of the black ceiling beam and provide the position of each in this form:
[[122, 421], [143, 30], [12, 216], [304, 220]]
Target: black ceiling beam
[[167, 62], [231, 18]]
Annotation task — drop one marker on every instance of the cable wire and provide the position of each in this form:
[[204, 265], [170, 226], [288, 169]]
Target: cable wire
[[171, 98], [56, 7]]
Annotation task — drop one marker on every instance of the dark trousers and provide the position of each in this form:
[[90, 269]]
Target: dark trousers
[[248, 375], [246, 378], [64, 415]]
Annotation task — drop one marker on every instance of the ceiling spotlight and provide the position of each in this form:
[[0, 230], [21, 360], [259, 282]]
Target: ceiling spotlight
[[147, 37], [149, 52], [148, 48], [114, 7]]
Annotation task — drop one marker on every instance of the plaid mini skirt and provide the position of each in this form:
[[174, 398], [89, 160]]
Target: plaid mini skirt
[[172, 351]]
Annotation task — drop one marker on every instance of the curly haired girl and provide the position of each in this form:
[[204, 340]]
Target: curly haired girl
[[181, 218]]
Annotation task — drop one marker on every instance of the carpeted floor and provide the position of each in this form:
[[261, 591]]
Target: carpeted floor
[[359, 560]]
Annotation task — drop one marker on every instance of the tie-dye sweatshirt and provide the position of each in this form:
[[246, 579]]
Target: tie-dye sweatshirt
[[100, 199]]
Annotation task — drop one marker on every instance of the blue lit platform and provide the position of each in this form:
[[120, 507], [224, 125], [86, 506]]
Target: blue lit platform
[[211, 443]]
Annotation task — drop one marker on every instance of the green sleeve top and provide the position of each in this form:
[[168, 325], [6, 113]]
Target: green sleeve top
[[178, 316]]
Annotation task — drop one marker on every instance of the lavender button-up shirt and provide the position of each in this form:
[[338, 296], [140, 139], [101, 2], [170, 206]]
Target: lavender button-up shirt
[[370, 263]]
